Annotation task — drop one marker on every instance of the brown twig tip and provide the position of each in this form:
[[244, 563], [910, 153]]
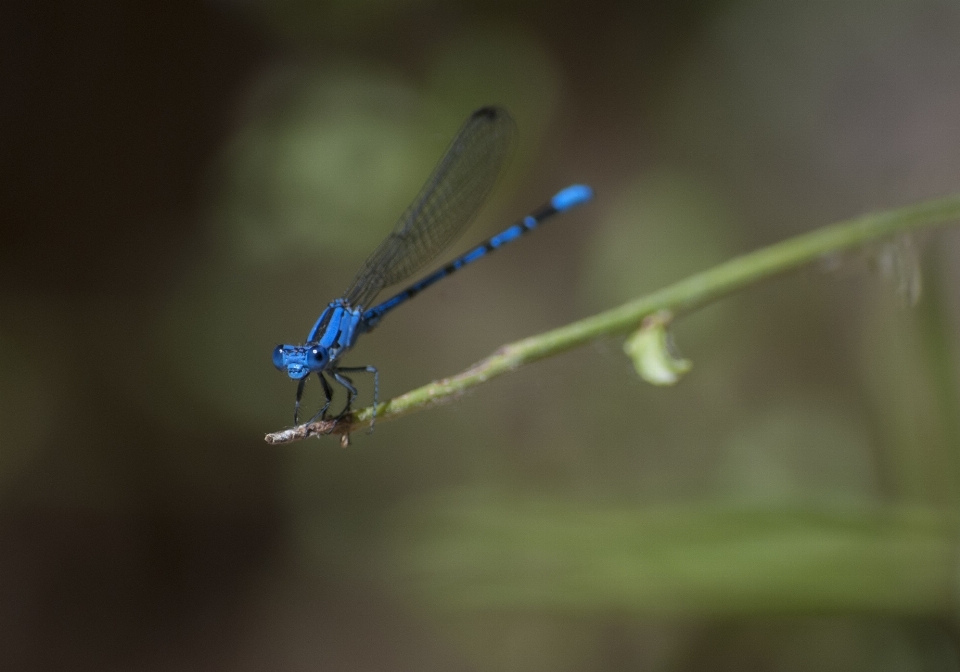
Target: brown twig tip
[[319, 428]]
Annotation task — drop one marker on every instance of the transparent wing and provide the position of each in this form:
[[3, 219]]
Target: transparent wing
[[444, 207]]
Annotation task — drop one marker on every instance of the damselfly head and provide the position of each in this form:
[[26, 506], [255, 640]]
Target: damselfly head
[[299, 361]]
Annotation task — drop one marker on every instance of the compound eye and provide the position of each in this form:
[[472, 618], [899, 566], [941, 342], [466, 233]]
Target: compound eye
[[317, 357], [278, 358]]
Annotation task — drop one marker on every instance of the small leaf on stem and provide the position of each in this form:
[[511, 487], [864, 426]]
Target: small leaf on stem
[[652, 353]]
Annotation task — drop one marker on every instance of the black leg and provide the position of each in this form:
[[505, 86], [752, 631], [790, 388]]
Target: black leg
[[376, 387], [328, 393], [351, 390]]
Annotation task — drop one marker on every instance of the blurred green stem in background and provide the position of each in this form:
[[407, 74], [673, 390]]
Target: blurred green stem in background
[[503, 553], [683, 296]]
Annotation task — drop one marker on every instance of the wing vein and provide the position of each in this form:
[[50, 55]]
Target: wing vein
[[446, 204]]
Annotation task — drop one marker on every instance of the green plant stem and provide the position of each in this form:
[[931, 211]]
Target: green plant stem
[[681, 297]]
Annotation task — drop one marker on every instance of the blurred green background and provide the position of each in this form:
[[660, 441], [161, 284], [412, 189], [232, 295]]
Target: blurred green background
[[187, 183]]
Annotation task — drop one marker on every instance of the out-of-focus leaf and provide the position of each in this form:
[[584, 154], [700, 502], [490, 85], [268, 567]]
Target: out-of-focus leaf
[[504, 554]]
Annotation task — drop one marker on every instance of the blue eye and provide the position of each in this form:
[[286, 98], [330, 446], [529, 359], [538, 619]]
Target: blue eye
[[317, 357], [278, 358]]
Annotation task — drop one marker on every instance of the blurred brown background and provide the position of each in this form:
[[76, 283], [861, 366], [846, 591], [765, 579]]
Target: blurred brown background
[[186, 184]]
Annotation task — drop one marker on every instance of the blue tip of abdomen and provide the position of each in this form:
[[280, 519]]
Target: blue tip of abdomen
[[572, 196]]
